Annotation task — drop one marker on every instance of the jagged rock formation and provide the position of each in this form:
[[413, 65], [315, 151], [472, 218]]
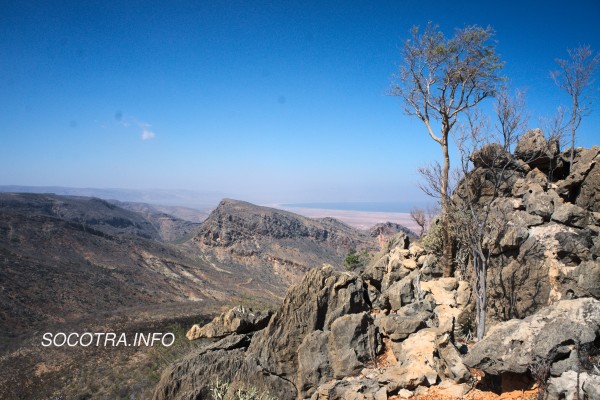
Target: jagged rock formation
[[545, 244], [238, 320], [330, 338]]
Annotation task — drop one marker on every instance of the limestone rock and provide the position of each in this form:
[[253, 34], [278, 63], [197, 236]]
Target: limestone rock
[[489, 156], [451, 366], [513, 237], [407, 320], [362, 389], [239, 319], [571, 215], [401, 292], [191, 377], [320, 298], [352, 343], [416, 362], [443, 290], [577, 187], [587, 276], [536, 151], [313, 362], [540, 204], [551, 333]]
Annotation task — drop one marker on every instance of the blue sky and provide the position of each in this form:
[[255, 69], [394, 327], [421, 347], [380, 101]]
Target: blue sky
[[265, 101]]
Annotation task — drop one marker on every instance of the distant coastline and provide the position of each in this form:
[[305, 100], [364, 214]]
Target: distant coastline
[[356, 218], [383, 207]]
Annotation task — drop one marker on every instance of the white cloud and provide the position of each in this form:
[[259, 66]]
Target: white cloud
[[147, 134], [129, 121]]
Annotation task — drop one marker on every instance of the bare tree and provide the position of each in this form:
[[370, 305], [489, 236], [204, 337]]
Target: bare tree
[[511, 116], [418, 215], [440, 78], [576, 77], [555, 129], [474, 203]]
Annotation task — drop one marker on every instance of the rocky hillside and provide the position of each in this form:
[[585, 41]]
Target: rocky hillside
[[165, 221], [389, 332], [278, 246], [65, 258], [79, 264], [399, 330]]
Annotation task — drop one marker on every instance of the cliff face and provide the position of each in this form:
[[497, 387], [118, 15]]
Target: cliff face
[[277, 245]]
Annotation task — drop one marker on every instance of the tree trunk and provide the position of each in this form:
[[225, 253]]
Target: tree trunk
[[573, 129], [482, 299], [447, 251]]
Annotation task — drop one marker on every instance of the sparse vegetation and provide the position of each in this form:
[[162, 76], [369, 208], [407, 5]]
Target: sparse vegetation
[[355, 260], [575, 76], [219, 390], [540, 371]]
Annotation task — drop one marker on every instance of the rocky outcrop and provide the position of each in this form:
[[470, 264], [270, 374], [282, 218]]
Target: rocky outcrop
[[564, 387], [544, 228], [191, 378], [551, 335], [398, 327], [536, 151], [329, 341], [238, 320]]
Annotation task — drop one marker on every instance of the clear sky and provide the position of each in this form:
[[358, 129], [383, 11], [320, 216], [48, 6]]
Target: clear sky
[[265, 101]]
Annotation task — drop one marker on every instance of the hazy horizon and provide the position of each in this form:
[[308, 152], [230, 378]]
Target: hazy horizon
[[264, 102]]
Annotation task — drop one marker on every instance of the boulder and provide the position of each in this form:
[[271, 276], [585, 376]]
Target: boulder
[[352, 343], [238, 320], [442, 290], [362, 389], [401, 292], [323, 296], [571, 215], [577, 187], [539, 203], [587, 278], [417, 364], [320, 298], [399, 326], [536, 151], [513, 237], [550, 334], [491, 155], [313, 362], [451, 365], [573, 246], [192, 377], [589, 195]]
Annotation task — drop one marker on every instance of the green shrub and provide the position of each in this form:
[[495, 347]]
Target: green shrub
[[356, 260]]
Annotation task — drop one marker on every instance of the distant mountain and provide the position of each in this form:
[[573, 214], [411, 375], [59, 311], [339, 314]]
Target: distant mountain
[[182, 198], [388, 229], [165, 219], [64, 258], [279, 245]]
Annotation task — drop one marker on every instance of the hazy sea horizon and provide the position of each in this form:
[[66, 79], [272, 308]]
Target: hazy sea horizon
[[389, 207]]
